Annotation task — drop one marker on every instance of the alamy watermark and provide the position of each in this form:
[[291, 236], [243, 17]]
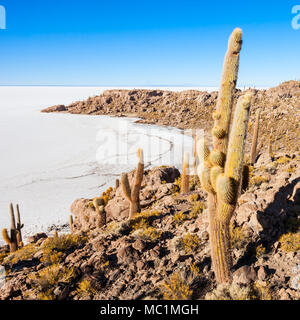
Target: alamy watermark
[[296, 19], [118, 145], [2, 17]]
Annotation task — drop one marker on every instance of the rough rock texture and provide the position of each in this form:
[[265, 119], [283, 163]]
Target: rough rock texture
[[121, 262]]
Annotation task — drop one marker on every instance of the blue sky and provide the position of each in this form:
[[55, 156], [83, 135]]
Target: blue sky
[[140, 43]]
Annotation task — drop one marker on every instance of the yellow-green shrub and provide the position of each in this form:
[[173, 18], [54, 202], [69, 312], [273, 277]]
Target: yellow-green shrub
[[290, 242], [85, 288], [190, 242], [25, 253], [54, 247], [176, 288], [45, 281]]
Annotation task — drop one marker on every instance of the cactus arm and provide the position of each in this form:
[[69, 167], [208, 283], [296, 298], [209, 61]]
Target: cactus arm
[[236, 146], [185, 174], [9, 240], [225, 98], [229, 182], [19, 227], [255, 137], [125, 186], [5, 236]]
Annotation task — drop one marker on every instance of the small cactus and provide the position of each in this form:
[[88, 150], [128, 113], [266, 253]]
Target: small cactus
[[71, 223], [99, 207], [185, 174], [133, 194], [254, 139], [11, 240], [117, 184]]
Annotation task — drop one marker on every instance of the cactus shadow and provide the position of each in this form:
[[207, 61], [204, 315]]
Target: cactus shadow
[[280, 209], [276, 213]]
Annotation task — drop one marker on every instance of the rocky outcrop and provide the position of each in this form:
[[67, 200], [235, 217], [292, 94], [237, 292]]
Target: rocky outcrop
[[192, 109], [157, 183]]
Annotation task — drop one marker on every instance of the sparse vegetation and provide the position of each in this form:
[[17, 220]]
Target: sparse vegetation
[[190, 242], [177, 287], [85, 288], [45, 281], [25, 253], [238, 237], [290, 242]]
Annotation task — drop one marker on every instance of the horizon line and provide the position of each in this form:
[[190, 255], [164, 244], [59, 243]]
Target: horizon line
[[125, 86]]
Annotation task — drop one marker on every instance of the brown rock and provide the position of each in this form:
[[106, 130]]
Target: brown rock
[[261, 273], [244, 275], [139, 245], [35, 238], [127, 254]]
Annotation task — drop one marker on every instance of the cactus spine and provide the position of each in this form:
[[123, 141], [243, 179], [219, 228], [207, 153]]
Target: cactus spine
[[133, 194], [220, 170], [185, 174], [255, 137]]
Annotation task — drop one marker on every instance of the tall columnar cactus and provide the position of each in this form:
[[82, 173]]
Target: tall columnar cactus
[[185, 180], [254, 139], [270, 145], [12, 239], [99, 207], [132, 194], [220, 170], [19, 227]]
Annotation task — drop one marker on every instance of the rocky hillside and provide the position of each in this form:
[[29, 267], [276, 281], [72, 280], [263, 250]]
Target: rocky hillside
[[280, 110], [163, 252]]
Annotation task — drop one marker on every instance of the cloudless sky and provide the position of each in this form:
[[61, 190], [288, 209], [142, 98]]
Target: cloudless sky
[[129, 42]]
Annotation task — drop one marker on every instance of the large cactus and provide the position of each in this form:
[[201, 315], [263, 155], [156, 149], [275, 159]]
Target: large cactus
[[220, 170], [11, 240], [133, 194]]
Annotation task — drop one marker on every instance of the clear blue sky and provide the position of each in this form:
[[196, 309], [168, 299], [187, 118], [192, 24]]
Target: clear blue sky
[[166, 42]]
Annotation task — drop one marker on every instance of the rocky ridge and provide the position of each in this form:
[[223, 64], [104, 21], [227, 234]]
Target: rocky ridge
[[192, 109]]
